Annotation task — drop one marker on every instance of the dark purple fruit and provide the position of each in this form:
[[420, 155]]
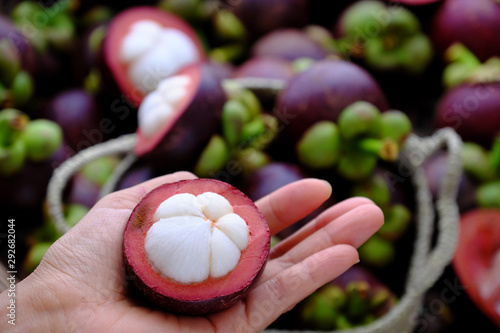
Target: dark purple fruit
[[21, 43], [136, 176], [260, 16], [265, 67], [435, 170], [472, 23], [197, 260], [472, 111], [27, 188], [288, 44], [322, 92], [78, 113], [87, 183]]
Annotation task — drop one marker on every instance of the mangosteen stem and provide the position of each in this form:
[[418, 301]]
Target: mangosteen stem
[[495, 154], [387, 149], [61, 175]]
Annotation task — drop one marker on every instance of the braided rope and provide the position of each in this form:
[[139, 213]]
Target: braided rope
[[117, 174], [63, 173]]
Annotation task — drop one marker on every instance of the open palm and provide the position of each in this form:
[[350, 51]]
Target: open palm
[[81, 284]]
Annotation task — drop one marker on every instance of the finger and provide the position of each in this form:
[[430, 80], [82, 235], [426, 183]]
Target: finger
[[281, 292], [328, 216], [129, 197], [353, 228], [293, 202]]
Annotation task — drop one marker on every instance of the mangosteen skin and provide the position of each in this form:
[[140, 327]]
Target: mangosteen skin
[[181, 146], [269, 178], [20, 42], [256, 260], [322, 92], [78, 113], [262, 16], [288, 44], [472, 110], [194, 308], [475, 24], [265, 68]]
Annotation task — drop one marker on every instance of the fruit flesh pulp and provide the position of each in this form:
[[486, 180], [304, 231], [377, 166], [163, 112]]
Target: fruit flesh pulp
[[195, 237], [151, 53], [159, 105]]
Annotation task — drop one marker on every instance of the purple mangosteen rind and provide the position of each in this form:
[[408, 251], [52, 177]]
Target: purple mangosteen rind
[[322, 92], [471, 110]]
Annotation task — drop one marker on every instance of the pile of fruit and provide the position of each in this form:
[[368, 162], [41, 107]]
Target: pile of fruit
[[196, 81]]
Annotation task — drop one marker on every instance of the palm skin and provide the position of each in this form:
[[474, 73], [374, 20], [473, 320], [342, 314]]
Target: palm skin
[[81, 284]]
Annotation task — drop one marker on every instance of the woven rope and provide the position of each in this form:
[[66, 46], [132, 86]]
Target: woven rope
[[65, 171]]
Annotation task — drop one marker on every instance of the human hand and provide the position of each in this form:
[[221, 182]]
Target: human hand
[[81, 284]]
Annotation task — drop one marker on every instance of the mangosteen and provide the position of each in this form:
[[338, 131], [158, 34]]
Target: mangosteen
[[321, 92], [260, 16], [265, 67], [179, 117], [288, 44], [472, 23], [87, 182], [79, 115], [195, 247], [21, 43], [471, 110], [136, 175], [435, 169], [145, 45]]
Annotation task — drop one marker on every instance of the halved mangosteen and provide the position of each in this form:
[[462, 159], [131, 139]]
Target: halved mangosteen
[[144, 45], [195, 246], [178, 118]]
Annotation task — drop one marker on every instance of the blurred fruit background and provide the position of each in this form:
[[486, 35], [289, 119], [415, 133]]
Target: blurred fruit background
[[355, 77]]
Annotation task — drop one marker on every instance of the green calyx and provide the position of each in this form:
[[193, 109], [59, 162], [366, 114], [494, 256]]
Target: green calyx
[[99, 170], [358, 119], [42, 139], [464, 67], [395, 125], [319, 147], [477, 162], [377, 251], [213, 158], [10, 64], [228, 26], [356, 165], [387, 37], [374, 188], [488, 195], [46, 27]]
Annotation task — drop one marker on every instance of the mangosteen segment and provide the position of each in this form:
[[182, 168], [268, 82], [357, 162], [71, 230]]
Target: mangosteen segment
[[144, 45], [161, 108], [195, 246], [195, 238], [152, 53], [158, 106]]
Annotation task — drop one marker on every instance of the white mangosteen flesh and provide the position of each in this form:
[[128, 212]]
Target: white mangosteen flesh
[[159, 105], [194, 238], [152, 53]]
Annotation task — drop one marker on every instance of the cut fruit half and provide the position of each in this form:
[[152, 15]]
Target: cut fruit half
[[177, 119], [145, 45], [196, 246]]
